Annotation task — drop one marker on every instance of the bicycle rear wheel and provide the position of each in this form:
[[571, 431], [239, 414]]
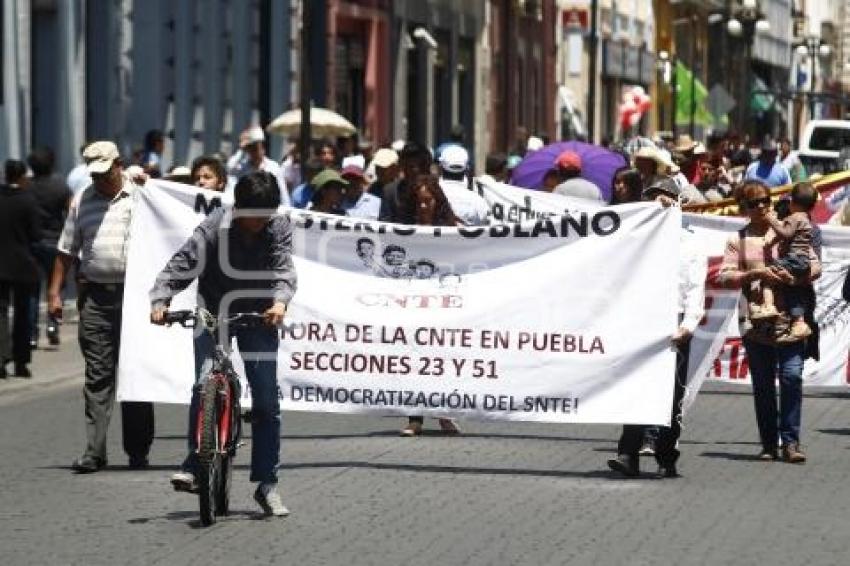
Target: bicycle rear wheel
[[209, 456]]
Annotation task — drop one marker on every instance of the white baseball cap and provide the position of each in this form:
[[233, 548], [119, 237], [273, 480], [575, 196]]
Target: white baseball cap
[[454, 159], [356, 160], [99, 156], [534, 143], [254, 134]]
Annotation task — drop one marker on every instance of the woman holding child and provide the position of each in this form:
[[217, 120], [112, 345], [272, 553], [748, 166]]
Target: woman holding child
[[774, 338]]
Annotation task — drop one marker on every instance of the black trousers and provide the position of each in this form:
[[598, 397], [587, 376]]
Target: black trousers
[[18, 347], [100, 341], [666, 452]]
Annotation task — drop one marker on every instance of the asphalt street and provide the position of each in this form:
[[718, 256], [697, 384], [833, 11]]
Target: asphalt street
[[360, 495]]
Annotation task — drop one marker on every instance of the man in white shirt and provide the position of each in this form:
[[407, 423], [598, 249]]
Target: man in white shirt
[[469, 207], [693, 269], [94, 241], [254, 159]]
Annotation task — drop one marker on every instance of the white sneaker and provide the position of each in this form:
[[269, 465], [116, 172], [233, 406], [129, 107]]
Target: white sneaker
[[268, 498], [184, 481]]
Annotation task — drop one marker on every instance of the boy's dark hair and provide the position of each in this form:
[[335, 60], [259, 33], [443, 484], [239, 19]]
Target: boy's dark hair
[[41, 161], [257, 190], [213, 163], [804, 195], [14, 170]]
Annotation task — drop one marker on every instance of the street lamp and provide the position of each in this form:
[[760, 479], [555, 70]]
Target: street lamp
[[813, 47], [747, 20]]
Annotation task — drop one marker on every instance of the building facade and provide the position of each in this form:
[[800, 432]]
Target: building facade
[[625, 57], [202, 71]]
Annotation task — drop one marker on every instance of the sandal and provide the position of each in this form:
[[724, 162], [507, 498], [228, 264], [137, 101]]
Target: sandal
[[412, 429], [449, 426]]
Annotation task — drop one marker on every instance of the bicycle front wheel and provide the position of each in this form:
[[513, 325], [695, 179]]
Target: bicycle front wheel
[[209, 455], [230, 414]]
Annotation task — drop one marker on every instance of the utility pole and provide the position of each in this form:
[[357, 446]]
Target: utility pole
[[591, 88], [305, 90]]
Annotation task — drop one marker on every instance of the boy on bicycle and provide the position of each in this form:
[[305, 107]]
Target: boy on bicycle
[[242, 261]]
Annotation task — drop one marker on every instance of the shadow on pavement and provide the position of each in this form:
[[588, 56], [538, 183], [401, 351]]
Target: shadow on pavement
[[365, 465], [192, 519], [722, 442], [814, 392], [834, 430], [427, 468], [117, 468], [732, 456]]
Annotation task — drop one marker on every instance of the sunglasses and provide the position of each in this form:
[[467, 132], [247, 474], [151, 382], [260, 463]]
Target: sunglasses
[[754, 203]]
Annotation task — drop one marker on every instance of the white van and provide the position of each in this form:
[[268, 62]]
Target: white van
[[822, 142]]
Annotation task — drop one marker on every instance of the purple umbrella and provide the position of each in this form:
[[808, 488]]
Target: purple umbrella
[[598, 165]]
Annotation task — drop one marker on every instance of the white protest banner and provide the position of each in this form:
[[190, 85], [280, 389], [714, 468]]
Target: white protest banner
[[716, 350], [510, 321]]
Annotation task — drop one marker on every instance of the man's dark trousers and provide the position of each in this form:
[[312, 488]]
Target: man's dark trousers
[[665, 448], [100, 340]]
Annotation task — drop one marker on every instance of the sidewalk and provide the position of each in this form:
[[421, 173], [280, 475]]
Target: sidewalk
[[52, 366]]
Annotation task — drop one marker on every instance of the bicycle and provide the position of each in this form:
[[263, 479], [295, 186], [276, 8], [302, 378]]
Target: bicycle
[[219, 427]]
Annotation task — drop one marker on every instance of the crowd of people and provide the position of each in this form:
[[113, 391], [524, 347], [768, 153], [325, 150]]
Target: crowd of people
[[50, 228]]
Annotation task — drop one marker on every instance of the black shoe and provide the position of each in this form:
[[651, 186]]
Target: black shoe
[[34, 344], [138, 462], [21, 370], [625, 464], [88, 464], [53, 335], [668, 471], [3, 373]]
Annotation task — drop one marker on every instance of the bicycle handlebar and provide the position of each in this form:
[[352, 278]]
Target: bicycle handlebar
[[184, 318], [190, 319]]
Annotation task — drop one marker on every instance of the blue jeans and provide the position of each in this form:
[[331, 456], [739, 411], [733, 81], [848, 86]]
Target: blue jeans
[[764, 363], [258, 348]]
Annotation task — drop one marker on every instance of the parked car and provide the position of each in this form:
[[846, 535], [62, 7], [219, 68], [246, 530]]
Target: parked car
[[825, 146]]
